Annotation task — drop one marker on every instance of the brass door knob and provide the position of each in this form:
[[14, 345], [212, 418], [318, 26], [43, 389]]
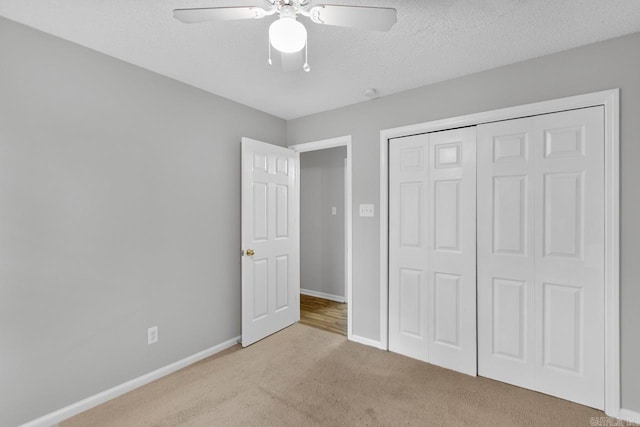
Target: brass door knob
[[250, 252]]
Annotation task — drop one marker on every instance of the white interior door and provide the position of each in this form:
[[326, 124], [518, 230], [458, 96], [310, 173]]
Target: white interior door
[[541, 254], [432, 248], [270, 239]]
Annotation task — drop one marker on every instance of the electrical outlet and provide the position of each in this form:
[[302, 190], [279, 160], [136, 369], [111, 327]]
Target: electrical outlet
[[366, 210], [152, 335]]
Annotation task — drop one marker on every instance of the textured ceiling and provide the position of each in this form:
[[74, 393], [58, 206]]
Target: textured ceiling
[[434, 40]]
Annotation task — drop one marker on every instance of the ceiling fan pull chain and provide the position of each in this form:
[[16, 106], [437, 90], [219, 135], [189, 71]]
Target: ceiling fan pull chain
[[306, 66]]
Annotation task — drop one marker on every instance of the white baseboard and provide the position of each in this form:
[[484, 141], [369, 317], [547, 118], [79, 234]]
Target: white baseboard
[[629, 415], [62, 414], [323, 295], [366, 341]]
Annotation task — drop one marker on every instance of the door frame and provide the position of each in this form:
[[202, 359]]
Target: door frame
[[610, 100], [341, 141]]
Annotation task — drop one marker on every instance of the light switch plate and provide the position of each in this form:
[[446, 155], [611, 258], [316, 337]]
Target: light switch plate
[[334, 210], [366, 210]]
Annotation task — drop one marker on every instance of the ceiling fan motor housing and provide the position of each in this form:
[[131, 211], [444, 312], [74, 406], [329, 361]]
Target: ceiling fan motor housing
[[287, 12], [296, 4]]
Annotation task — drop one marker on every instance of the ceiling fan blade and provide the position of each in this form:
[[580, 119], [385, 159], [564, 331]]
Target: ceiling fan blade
[[366, 18], [190, 16]]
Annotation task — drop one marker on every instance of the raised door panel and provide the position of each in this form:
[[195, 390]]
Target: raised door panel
[[562, 337], [412, 156], [446, 207], [563, 215], [509, 319], [447, 154], [564, 141], [259, 162], [411, 213], [447, 313], [260, 288], [260, 217], [282, 165], [510, 147], [282, 211], [411, 286], [283, 288], [510, 214]]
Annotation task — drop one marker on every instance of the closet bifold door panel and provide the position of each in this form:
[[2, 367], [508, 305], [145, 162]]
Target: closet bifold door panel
[[452, 250], [432, 248], [541, 253], [408, 248]]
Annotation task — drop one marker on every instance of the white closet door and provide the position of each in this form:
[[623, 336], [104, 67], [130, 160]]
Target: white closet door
[[541, 254], [432, 241], [570, 255], [452, 250], [408, 248], [506, 179]]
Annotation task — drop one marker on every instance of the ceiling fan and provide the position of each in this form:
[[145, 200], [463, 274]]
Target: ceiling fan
[[287, 34]]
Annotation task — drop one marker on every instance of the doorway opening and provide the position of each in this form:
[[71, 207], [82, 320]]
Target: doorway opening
[[325, 234]]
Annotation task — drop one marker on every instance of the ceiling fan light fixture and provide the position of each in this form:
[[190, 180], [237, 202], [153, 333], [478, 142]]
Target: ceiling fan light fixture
[[287, 35]]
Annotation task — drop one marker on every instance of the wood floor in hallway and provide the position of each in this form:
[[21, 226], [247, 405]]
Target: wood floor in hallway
[[323, 314]]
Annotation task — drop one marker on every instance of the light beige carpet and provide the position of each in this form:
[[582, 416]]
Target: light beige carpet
[[304, 376]]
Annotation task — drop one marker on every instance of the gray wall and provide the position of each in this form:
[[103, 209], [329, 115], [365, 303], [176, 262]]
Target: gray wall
[[607, 65], [322, 259], [119, 210]]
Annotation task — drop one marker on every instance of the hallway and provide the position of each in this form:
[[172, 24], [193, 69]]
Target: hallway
[[323, 314]]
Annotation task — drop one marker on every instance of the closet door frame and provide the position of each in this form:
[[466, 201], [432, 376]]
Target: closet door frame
[[610, 100]]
